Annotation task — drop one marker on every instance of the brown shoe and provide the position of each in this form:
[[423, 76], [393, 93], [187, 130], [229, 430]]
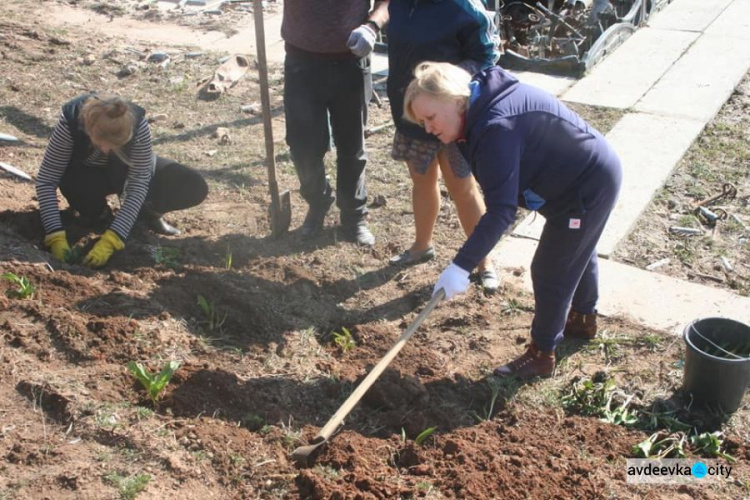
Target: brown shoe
[[532, 363], [580, 326]]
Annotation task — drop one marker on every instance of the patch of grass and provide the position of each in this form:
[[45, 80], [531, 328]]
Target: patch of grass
[[511, 307], [142, 413], [236, 459], [106, 417], [328, 472], [128, 486]]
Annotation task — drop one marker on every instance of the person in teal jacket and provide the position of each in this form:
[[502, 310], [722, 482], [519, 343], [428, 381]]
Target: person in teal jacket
[[459, 32]]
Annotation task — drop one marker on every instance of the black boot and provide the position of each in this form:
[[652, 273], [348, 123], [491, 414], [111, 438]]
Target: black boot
[[155, 222], [354, 229], [315, 217]]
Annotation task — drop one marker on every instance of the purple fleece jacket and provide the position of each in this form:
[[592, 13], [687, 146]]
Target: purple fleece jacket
[[517, 138]]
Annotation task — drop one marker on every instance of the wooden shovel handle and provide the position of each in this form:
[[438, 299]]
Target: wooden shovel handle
[[265, 100], [354, 398]]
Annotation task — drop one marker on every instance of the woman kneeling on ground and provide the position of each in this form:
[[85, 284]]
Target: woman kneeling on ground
[[526, 148], [102, 146]]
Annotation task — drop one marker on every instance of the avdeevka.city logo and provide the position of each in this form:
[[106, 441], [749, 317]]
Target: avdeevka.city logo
[[675, 471], [699, 470]]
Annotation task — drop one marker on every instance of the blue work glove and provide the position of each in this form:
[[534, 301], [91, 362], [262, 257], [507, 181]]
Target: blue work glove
[[453, 280], [362, 40], [103, 250]]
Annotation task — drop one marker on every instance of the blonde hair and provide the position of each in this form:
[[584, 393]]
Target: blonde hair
[[108, 119], [442, 81]]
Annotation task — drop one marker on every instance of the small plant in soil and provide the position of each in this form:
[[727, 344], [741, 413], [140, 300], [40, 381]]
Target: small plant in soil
[[709, 443], [74, 255], [596, 396], [658, 445], [212, 315], [228, 260], [253, 422], [495, 387], [129, 486], [25, 287], [420, 439], [167, 256], [154, 383], [344, 340]]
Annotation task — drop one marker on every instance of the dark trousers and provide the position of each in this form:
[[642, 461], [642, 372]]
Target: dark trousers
[[173, 186], [564, 270], [324, 97]]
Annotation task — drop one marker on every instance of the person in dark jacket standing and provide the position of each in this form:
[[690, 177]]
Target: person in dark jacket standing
[[459, 32], [327, 87], [100, 146], [526, 148]]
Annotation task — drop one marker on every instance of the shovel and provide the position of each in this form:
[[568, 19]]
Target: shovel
[[280, 211], [303, 454]]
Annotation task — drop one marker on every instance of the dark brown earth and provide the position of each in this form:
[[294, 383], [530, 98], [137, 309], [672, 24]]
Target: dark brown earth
[[75, 424]]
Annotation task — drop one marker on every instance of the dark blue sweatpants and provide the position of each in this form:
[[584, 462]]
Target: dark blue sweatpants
[[564, 270]]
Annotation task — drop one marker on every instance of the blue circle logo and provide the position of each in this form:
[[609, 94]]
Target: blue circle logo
[[699, 470]]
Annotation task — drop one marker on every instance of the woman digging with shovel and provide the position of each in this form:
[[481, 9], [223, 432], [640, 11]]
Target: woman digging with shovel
[[526, 148], [101, 146]]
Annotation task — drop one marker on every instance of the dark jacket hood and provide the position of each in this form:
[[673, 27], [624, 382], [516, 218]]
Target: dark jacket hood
[[488, 87]]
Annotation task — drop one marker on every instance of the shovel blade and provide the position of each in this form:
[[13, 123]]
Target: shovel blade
[[305, 455], [281, 214]]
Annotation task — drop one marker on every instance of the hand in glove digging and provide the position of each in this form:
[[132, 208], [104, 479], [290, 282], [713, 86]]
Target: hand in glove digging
[[453, 280], [57, 243], [103, 250]]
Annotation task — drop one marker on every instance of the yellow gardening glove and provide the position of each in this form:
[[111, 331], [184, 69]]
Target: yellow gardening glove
[[103, 250], [57, 243]]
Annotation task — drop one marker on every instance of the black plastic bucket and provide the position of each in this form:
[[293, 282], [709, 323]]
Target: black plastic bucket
[[716, 375]]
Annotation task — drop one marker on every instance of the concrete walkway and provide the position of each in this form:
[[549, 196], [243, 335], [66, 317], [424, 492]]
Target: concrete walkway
[[672, 77]]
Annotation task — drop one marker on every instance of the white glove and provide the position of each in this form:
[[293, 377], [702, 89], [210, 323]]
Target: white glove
[[453, 280], [362, 40]]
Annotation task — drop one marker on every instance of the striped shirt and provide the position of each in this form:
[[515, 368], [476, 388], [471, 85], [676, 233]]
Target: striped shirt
[[57, 158]]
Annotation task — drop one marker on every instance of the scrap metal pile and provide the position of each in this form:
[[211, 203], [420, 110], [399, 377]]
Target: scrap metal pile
[[566, 37]]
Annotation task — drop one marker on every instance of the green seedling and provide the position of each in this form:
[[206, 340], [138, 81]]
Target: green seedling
[[167, 256], [25, 288], [74, 255], [344, 340], [596, 397], [709, 443], [657, 446], [228, 260], [424, 435], [154, 383], [495, 386], [253, 422], [211, 314]]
